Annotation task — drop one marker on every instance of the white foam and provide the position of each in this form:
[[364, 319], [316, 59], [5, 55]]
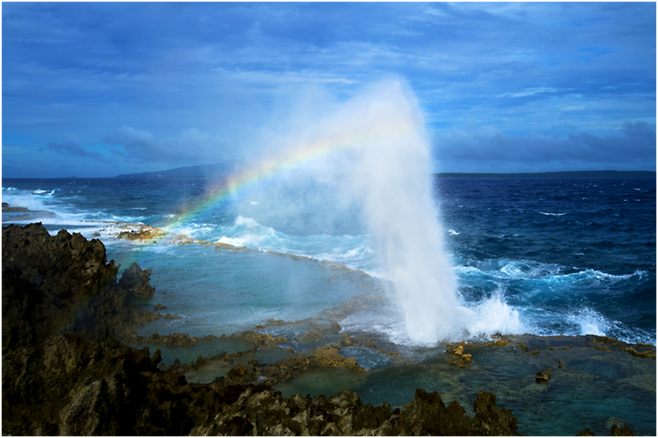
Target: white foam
[[590, 321], [588, 276], [492, 316], [246, 221]]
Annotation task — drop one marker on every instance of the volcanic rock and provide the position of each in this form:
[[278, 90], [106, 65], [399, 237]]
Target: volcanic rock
[[63, 283]]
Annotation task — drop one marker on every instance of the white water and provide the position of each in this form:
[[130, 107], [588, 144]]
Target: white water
[[391, 176]]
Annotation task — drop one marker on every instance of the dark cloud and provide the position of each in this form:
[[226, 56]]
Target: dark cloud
[[73, 149], [634, 147], [191, 145]]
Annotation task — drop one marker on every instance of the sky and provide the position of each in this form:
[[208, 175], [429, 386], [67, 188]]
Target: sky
[[101, 89]]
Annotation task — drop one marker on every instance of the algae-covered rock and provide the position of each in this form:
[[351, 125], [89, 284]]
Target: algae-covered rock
[[457, 355]]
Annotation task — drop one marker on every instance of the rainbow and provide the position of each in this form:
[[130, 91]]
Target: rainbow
[[387, 130], [289, 161]]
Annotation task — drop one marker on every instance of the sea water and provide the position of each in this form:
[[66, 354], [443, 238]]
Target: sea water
[[530, 255], [541, 256]]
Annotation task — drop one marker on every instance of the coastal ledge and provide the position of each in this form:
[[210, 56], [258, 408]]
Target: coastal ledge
[[67, 372]]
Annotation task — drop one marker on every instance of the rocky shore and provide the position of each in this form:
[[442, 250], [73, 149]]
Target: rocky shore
[[68, 370]]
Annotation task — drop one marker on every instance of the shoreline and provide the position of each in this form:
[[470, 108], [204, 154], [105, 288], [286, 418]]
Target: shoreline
[[327, 348]]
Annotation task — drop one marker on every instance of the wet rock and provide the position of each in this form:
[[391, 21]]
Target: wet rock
[[645, 354], [428, 415], [258, 339], [274, 323], [619, 431], [178, 340], [312, 336], [346, 341], [243, 374], [159, 307], [328, 356], [322, 357], [543, 377], [144, 232], [498, 343], [457, 355], [137, 281]]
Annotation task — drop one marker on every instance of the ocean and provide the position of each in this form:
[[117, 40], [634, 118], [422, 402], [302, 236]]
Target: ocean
[[548, 257]]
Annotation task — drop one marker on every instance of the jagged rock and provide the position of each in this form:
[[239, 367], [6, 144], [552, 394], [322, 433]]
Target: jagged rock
[[62, 283], [137, 280], [268, 413]]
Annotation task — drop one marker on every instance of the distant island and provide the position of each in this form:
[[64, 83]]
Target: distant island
[[201, 171], [219, 170]]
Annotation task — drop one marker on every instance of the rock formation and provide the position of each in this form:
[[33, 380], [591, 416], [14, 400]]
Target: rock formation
[[63, 283]]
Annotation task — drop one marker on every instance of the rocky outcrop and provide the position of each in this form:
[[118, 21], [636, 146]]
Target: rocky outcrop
[[71, 386], [265, 412], [63, 283]]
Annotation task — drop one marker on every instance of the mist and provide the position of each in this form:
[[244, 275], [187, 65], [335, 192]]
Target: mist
[[369, 160]]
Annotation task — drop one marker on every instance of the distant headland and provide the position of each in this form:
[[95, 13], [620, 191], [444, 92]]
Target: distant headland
[[219, 170]]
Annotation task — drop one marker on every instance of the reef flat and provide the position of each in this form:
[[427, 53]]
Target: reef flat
[[68, 368]]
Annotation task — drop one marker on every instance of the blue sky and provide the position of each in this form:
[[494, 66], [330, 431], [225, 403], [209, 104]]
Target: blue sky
[[100, 89]]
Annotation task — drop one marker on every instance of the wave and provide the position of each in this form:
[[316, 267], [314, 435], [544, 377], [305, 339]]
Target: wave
[[504, 269], [551, 214], [354, 251], [493, 315], [25, 198], [474, 320]]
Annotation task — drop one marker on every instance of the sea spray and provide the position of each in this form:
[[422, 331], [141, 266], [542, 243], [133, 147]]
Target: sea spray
[[374, 151], [393, 177]]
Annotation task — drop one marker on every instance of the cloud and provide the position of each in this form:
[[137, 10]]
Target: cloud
[[70, 148], [634, 147], [191, 145], [234, 69], [530, 92]]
